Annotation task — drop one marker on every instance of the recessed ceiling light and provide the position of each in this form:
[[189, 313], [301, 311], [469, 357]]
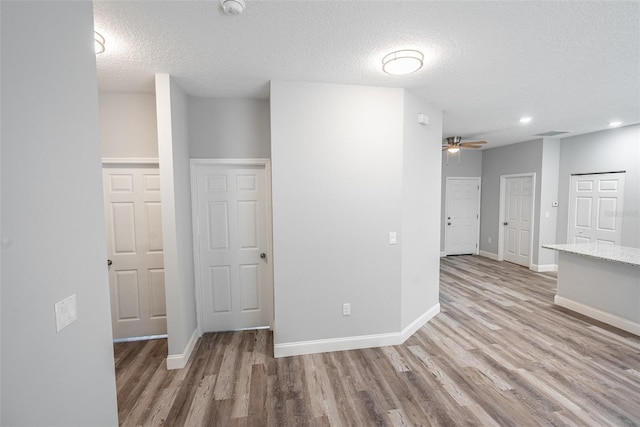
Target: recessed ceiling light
[[98, 42], [525, 120], [615, 123], [402, 62]]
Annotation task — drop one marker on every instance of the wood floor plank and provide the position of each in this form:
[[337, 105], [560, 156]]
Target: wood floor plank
[[498, 353]]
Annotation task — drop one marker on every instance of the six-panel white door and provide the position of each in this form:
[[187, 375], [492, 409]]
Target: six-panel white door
[[134, 240], [517, 219], [462, 215], [595, 207], [232, 246]]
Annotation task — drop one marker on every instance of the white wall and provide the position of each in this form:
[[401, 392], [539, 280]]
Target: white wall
[[470, 165], [128, 126], [223, 128], [175, 184], [337, 190], [53, 242], [606, 151], [419, 237]]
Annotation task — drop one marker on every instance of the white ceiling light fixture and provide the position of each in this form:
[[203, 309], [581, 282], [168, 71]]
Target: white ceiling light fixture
[[615, 123], [98, 42], [453, 150], [233, 7], [402, 62]]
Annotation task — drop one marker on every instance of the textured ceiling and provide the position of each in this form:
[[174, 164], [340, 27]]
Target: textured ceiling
[[570, 65]]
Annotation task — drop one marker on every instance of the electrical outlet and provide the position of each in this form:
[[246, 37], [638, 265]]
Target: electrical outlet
[[66, 312], [346, 309], [489, 239]]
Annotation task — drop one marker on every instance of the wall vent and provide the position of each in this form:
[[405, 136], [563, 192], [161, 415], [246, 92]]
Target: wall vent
[[553, 133]]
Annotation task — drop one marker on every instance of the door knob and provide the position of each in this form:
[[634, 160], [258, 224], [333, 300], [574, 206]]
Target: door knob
[[263, 255], [505, 223], [109, 262]]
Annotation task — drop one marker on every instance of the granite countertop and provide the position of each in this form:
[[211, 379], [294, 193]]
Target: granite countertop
[[621, 254]]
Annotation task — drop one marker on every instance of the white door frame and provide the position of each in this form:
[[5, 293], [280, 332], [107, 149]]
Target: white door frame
[[132, 162], [446, 204], [503, 192], [195, 163], [569, 212]]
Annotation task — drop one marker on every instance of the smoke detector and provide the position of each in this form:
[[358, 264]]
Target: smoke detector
[[232, 7]]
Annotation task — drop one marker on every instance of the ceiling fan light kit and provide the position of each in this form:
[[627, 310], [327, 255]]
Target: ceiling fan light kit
[[454, 145]]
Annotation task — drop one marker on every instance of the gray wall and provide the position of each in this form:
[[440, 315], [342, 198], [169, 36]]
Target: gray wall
[[606, 151], [128, 126], [470, 166], [420, 261], [350, 165], [175, 184], [546, 222], [53, 225], [525, 157], [336, 188], [221, 128]]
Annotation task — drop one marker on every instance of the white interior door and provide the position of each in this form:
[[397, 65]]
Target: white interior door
[[233, 247], [517, 219], [134, 240], [462, 215], [595, 207]]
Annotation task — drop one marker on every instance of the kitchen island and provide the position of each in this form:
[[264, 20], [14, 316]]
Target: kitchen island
[[600, 281]]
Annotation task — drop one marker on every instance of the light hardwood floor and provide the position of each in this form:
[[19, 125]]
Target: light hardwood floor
[[499, 353]]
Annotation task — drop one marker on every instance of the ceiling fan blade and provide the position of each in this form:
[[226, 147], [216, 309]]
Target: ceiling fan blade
[[474, 142], [470, 146]]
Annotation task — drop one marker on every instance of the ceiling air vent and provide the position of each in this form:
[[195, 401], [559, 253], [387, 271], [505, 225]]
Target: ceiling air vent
[[553, 133]]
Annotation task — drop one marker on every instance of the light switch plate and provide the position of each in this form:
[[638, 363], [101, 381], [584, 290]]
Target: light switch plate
[[393, 238], [66, 312]]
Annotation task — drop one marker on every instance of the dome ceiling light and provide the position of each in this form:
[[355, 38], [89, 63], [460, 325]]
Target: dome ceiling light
[[402, 62], [98, 42]]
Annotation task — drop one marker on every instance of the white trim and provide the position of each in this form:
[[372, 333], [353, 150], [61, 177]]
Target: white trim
[[179, 361], [489, 255], [145, 338], [422, 320], [194, 163], [354, 343], [446, 213], [594, 313], [111, 161], [544, 268], [443, 254], [503, 189]]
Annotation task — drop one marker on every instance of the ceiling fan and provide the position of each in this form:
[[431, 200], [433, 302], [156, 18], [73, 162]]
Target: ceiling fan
[[454, 144]]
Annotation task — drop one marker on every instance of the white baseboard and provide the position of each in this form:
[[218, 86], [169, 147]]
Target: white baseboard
[[443, 254], [594, 313], [544, 268], [179, 361], [419, 322], [354, 343], [489, 255]]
